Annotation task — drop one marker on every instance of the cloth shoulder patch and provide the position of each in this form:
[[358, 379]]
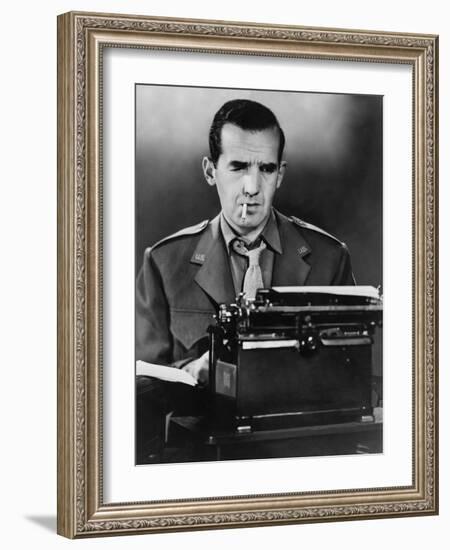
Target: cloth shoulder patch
[[306, 225], [191, 230]]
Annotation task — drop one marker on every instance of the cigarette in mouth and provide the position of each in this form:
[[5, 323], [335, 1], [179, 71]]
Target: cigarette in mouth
[[244, 212]]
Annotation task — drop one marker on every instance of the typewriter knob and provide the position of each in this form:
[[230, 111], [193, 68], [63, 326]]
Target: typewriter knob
[[308, 344]]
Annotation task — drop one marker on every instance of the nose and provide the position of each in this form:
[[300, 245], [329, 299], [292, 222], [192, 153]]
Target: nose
[[251, 182]]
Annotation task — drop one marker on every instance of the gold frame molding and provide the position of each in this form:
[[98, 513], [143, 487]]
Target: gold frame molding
[[81, 37]]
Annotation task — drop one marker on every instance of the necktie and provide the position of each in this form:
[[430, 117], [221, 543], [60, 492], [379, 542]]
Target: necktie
[[253, 276]]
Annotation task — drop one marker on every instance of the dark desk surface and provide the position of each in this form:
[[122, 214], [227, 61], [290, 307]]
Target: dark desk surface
[[191, 439]]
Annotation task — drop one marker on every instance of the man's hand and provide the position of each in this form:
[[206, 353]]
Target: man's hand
[[199, 368]]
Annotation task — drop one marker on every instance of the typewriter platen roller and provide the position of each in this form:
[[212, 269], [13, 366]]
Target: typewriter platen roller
[[294, 356]]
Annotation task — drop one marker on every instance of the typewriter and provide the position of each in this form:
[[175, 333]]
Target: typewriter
[[295, 356]]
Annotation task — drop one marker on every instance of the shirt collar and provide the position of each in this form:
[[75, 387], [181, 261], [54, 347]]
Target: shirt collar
[[270, 233]]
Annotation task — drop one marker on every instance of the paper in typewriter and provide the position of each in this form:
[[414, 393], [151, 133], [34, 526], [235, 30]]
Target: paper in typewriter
[[363, 291]]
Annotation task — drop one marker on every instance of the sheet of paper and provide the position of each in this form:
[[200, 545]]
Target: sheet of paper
[[369, 291], [169, 374]]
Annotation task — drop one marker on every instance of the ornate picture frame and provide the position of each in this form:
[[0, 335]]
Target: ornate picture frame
[[82, 41]]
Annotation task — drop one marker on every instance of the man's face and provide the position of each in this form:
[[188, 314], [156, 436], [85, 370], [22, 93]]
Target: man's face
[[247, 172]]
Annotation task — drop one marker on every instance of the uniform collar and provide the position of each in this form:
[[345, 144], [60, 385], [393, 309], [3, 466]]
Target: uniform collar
[[214, 273], [270, 233]]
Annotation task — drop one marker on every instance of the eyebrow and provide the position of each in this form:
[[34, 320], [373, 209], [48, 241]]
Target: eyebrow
[[237, 164], [241, 164]]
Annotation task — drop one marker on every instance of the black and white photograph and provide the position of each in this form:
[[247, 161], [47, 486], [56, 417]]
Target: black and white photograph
[[247, 288], [259, 274]]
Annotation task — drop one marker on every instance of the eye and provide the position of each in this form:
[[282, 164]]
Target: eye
[[238, 166], [268, 168]]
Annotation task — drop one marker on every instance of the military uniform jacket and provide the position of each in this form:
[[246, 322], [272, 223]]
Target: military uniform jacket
[[187, 275]]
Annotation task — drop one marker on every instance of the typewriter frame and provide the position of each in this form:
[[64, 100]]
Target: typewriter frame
[[292, 359]]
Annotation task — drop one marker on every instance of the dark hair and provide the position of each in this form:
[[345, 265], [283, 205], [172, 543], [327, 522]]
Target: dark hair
[[247, 115]]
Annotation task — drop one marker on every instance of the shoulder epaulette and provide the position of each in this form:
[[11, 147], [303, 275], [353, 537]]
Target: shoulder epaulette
[[191, 230], [312, 227]]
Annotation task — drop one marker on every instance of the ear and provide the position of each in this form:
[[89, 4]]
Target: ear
[[281, 171], [209, 170]]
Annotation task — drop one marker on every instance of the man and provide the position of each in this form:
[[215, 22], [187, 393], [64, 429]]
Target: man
[[185, 277]]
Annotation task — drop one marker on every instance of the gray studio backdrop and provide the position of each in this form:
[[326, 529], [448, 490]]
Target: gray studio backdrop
[[333, 151]]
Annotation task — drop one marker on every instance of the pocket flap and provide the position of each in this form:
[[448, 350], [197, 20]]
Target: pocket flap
[[188, 327]]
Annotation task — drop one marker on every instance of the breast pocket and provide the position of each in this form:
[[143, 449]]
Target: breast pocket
[[189, 327]]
